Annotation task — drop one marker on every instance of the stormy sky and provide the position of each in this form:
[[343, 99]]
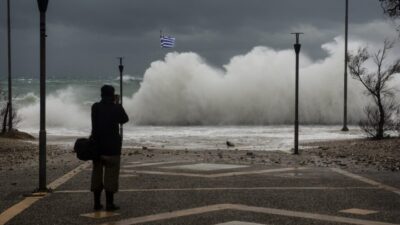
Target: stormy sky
[[86, 36]]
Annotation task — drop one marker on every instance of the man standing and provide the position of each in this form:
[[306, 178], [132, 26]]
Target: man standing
[[106, 117]]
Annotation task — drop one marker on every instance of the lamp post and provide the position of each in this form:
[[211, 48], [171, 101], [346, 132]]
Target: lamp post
[[346, 33], [297, 47], [10, 114], [42, 4], [121, 70]]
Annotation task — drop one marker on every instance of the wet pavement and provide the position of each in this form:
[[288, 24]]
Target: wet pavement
[[198, 193]]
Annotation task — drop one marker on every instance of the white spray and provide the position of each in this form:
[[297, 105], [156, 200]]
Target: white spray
[[256, 88]]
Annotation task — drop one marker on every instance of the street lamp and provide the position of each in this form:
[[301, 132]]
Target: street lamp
[[297, 47], [42, 4], [121, 70], [9, 106], [345, 67]]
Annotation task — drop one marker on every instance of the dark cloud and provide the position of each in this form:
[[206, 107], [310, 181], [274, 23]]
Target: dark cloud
[[86, 36]]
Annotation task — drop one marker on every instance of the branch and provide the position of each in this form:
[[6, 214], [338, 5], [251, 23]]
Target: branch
[[358, 72], [391, 7]]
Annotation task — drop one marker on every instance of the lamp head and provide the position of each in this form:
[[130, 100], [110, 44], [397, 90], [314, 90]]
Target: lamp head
[[43, 5]]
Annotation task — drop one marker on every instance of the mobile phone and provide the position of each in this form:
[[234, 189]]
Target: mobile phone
[[116, 99]]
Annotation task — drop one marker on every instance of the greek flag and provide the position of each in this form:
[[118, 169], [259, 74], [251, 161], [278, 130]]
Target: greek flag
[[167, 42]]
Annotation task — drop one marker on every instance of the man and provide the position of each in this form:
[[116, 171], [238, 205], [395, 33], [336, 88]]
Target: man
[[106, 117]]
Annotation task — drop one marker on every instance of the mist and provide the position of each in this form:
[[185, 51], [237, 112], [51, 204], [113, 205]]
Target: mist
[[255, 88]]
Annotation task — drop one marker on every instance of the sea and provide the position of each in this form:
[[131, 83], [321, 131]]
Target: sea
[[68, 117], [183, 102]]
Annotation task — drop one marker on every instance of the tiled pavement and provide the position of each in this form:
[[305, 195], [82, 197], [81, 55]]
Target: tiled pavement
[[184, 192]]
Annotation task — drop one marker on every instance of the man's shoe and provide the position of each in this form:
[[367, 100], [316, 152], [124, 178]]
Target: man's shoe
[[110, 202], [97, 201], [112, 207], [98, 207]]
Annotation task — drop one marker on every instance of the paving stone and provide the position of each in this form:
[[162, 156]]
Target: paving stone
[[206, 167], [100, 214], [358, 211], [127, 175], [239, 223]]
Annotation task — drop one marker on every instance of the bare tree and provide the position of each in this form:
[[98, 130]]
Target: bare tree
[[380, 114], [391, 8], [5, 114], [3, 111]]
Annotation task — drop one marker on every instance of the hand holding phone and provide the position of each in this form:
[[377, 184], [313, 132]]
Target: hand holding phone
[[116, 99]]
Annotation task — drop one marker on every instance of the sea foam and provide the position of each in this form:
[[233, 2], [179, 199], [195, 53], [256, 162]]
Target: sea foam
[[256, 88]]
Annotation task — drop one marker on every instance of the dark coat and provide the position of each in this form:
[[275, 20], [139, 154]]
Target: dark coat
[[106, 116]]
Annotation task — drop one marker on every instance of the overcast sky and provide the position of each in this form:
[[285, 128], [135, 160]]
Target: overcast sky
[[86, 36]]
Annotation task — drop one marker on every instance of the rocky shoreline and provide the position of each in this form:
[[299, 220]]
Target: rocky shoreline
[[21, 154], [382, 155], [355, 155]]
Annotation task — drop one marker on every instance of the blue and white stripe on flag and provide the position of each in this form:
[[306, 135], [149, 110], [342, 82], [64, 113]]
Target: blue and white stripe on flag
[[167, 42]]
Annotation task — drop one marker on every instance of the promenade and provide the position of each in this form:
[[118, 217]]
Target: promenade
[[190, 191]]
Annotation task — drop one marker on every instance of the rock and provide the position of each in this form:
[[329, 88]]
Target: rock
[[16, 134], [394, 169], [229, 144], [249, 153]]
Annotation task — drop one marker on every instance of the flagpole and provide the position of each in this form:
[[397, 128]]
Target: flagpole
[[121, 70]]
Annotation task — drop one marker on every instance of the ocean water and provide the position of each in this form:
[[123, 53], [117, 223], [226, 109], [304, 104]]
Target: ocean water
[[183, 102], [263, 138], [68, 113], [260, 138]]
